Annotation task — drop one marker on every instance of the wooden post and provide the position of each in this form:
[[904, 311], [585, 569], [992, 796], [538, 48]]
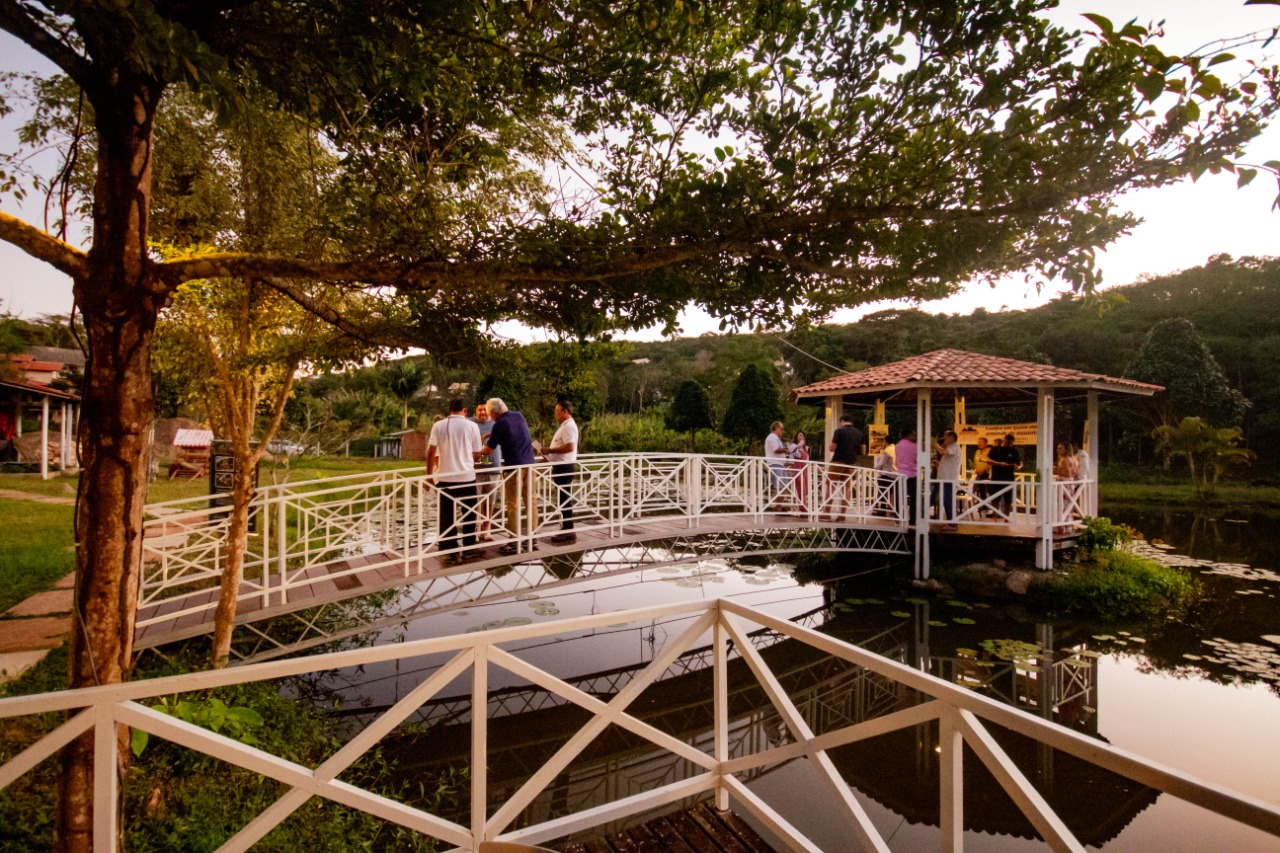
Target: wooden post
[[1047, 511], [44, 438], [834, 411], [1091, 448]]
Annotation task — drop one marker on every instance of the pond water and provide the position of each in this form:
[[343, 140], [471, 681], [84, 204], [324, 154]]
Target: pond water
[[1199, 692]]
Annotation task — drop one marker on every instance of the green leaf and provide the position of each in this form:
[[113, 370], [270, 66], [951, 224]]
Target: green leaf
[[1100, 22], [963, 620], [720, 155], [245, 717], [901, 614], [138, 741], [1221, 57], [1244, 176], [1151, 86]]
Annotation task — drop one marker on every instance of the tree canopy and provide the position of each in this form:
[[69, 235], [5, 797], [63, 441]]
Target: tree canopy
[[690, 409], [1174, 355]]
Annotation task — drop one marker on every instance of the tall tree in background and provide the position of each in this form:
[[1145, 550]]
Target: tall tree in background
[[755, 404], [1174, 355], [405, 379], [690, 410], [863, 150]]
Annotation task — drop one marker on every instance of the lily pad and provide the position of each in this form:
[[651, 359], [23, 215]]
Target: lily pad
[[963, 620], [901, 614], [937, 623], [1192, 657], [516, 620], [915, 601], [527, 596], [1103, 637], [957, 604], [1272, 638], [873, 601], [550, 611], [854, 601]]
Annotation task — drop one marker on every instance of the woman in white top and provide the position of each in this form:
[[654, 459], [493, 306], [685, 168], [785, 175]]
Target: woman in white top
[[950, 460]]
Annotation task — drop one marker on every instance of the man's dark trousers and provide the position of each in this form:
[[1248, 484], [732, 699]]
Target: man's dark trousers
[[562, 475], [457, 503]]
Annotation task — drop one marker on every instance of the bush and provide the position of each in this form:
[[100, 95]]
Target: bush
[[1112, 585], [1102, 534]]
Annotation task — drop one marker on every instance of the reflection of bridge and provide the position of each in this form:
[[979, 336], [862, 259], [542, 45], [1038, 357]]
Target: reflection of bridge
[[331, 540]]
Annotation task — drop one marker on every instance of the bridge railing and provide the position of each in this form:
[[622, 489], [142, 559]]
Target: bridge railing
[[393, 519], [961, 718]]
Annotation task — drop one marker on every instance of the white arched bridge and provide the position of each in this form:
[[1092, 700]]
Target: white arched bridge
[[325, 541]]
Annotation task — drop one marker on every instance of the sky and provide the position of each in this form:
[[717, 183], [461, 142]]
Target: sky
[[1183, 224]]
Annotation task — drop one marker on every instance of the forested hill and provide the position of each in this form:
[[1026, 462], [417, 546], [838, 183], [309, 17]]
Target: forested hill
[[1234, 304]]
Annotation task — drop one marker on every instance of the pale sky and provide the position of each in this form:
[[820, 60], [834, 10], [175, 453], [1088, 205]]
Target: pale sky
[[1183, 225]]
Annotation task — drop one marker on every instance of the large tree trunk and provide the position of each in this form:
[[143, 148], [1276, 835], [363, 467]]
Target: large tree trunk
[[119, 302]]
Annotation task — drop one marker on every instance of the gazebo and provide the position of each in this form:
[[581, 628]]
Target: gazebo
[[20, 396], [1034, 506]]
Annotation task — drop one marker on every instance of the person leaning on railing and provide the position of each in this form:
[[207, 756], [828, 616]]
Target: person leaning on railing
[[511, 434], [846, 445]]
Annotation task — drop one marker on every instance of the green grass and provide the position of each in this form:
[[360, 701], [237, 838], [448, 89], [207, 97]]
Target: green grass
[[35, 548], [1231, 494]]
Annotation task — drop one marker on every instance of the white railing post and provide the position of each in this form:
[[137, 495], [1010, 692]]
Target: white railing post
[[693, 465], [720, 702], [406, 517], [106, 794], [282, 545], [479, 743], [951, 775]]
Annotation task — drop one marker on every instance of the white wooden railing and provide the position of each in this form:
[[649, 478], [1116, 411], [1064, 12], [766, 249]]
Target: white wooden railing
[[393, 516], [1003, 503], [962, 719]]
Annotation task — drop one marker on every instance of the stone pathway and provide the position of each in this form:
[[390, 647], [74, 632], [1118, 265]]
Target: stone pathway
[[40, 499], [31, 628]]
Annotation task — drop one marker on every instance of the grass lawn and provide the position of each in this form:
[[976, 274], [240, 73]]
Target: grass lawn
[[35, 548], [1260, 497]]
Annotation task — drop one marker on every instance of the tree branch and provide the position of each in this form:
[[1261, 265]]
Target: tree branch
[[36, 243], [15, 20], [325, 312]]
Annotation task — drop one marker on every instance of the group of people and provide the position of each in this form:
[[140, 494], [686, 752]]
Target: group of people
[[472, 458]]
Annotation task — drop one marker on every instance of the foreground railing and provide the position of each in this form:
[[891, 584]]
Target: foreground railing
[[962, 717], [395, 516]]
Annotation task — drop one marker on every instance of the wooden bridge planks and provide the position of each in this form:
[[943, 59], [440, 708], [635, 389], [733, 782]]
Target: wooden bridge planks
[[698, 829]]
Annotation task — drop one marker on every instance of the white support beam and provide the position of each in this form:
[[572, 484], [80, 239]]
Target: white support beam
[[720, 705], [1047, 510], [106, 781], [924, 446], [1091, 448]]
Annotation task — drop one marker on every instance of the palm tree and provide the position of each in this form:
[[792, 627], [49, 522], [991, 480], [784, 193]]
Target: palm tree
[[404, 380], [1209, 450]]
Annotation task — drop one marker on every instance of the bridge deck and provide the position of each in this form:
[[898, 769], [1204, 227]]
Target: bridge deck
[[369, 573]]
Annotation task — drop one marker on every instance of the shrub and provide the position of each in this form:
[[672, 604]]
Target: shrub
[[1113, 585], [1102, 534]]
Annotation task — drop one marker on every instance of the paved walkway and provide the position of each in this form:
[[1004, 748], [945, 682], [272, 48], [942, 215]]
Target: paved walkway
[[40, 499], [31, 628]]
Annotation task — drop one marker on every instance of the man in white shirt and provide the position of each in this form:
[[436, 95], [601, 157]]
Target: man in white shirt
[[563, 456], [451, 451], [775, 454]]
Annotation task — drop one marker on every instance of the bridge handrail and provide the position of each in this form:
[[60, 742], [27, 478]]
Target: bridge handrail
[[961, 714], [394, 513]]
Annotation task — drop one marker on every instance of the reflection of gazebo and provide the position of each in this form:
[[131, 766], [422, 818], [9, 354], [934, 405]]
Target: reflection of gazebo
[[967, 380]]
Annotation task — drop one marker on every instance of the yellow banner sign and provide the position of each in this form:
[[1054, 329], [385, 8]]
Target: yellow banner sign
[[1022, 433]]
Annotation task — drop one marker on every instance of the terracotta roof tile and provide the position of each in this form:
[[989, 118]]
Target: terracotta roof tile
[[959, 368]]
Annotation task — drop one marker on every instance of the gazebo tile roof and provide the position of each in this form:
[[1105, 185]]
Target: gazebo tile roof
[[953, 367]]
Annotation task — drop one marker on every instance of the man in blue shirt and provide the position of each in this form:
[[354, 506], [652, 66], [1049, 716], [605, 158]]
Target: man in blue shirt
[[511, 434]]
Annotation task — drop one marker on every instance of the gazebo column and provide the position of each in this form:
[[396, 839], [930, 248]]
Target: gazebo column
[[1046, 511], [44, 438], [924, 434], [64, 433], [834, 411], [1091, 448], [17, 413]]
